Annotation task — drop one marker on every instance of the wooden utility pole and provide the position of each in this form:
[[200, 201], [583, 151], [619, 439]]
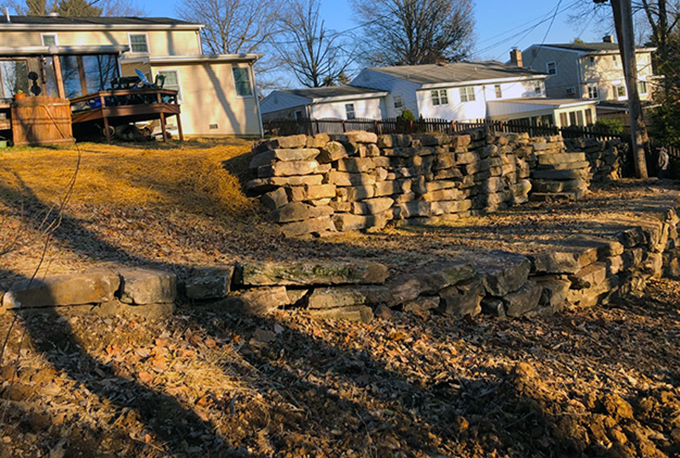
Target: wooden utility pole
[[623, 20]]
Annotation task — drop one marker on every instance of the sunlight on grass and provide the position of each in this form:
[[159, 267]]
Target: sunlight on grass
[[198, 176]]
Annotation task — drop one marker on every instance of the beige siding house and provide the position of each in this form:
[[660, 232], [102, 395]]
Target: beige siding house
[[217, 93]]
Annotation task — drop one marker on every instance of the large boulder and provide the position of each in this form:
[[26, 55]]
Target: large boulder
[[502, 272], [73, 289], [210, 283], [432, 280]]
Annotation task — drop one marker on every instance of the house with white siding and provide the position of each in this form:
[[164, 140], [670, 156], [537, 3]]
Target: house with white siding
[[589, 71], [333, 102], [466, 91]]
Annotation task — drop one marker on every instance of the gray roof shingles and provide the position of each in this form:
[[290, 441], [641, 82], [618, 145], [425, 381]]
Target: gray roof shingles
[[103, 21], [457, 72], [590, 47]]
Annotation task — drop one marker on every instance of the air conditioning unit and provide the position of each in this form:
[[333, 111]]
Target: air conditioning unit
[[571, 91]]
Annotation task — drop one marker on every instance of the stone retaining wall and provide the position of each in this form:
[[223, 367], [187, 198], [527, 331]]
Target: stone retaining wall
[[590, 271], [358, 180]]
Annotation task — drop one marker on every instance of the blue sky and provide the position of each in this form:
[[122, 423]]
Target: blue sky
[[500, 24]]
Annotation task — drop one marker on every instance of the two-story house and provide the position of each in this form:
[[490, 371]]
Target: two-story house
[[588, 71], [217, 93], [460, 92]]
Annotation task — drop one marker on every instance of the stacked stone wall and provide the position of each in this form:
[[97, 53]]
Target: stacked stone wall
[[359, 180]]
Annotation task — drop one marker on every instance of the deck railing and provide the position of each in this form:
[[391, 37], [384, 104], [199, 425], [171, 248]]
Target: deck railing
[[122, 97]]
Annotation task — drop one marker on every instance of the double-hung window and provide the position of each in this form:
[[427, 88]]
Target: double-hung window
[[642, 87], [467, 94], [172, 81], [139, 43], [349, 111], [398, 102], [499, 91], [551, 67], [592, 92], [440, 97], [242, 83]]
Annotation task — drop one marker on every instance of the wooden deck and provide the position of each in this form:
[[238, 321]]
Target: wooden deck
[[124, 106]]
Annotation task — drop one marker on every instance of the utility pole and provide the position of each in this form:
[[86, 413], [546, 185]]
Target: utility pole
[[623, 20]]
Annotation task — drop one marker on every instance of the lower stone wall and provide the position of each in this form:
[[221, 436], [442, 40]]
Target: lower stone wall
[[359, 181], [591, 271]]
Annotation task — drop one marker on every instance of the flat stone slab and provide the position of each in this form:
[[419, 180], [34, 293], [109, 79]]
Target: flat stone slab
[[146, 286], [359, 313], [210, 283], [435, 278], [310, 273], [73, 289], [502, 272]]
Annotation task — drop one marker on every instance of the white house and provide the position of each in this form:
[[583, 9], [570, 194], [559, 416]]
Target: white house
[[467, 91], [333, 102]]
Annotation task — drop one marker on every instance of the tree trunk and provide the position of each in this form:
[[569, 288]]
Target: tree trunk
[[623, 20]]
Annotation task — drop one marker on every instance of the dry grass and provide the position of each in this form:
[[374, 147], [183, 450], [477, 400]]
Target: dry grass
[[190, 175]]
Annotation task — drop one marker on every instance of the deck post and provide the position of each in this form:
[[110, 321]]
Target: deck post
[[107, 129], [179, 121], [57, 73]]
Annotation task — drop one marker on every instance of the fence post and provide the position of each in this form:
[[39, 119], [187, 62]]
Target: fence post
[[343, 125]]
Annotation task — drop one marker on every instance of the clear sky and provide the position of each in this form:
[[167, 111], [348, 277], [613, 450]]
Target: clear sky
[[500, 24]]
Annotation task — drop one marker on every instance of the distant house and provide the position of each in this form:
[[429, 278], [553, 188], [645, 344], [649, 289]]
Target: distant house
[[467, 91], [589, 71], [77, 56], [333, 102]]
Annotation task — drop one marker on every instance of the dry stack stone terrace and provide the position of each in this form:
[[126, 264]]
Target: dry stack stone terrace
[[359, 180]]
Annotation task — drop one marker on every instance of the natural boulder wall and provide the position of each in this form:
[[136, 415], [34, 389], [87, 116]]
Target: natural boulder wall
[[523, 300], [346, 296], [87, 288], [262, 301], [502, 272], [145, 286], [285, 155], [310, 273], [463, 298], [407, 287], [358, 313]]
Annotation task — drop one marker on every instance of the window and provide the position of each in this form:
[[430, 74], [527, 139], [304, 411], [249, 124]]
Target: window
[[242, 81], [398, 102], [642, 87], [349, 111], [579, 118], [298, 115], [619, 91], [13, 77], [538, 89], [616, 60], [49, 39], [551, 67], [172, 81], [592, 92], [570, 91], [138, 43], [589, 117], [499, 91], [467, 94], [592, 59], [440, 97], [88, 73]]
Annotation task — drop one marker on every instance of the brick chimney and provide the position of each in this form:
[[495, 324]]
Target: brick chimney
[[608, 39], [516, 57]]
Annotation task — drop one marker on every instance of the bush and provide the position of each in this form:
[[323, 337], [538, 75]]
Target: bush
[[610, 125], [406, 115]]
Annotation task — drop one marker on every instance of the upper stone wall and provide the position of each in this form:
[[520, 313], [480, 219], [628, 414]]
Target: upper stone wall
[[359, 180]]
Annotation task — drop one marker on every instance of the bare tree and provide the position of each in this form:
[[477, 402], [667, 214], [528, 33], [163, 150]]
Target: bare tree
[[232, 26], [412, 32], [77, 8], [314, 54]]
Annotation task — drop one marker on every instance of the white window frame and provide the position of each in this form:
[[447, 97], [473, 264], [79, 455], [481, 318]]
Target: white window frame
[[398, 101], [467, 94], [43, 35], [146, 37], [250, 78], [554, 68], [353, 110], [616, 88], [444, 96], [640, 83], [593, 92], [180, 97], [499, 91], [434, 94]]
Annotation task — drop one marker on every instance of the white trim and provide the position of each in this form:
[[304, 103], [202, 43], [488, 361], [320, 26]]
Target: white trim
[[180, 93], [55, 35], [217, 58], [547, 67], [252, 83], [257, 100], [146, 37], [343, 98]]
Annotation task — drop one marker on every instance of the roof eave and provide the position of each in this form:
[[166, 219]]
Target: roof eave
[[84, 27], [62, 50], [345, 98], [246, 57]]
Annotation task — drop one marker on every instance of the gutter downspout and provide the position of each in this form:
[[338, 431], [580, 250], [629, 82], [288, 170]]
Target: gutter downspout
[[257, 99]]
